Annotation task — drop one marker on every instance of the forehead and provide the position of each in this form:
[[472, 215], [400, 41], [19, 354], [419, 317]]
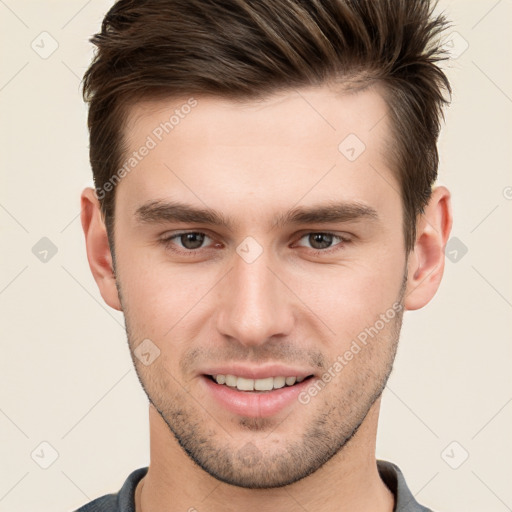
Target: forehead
[[314, 142], [314, 116]]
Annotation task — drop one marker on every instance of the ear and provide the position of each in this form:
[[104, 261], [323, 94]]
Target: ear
[[426, 261], [98, 250]]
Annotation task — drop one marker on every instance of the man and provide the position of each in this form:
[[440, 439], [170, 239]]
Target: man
[[264, 213]]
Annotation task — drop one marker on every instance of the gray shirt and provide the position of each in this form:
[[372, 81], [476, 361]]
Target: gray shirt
[[124, 500]]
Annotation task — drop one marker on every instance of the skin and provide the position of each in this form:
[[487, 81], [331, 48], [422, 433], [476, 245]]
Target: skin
[[294, 304]]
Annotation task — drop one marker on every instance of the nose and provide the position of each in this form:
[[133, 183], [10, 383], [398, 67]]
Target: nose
[[254, 304]]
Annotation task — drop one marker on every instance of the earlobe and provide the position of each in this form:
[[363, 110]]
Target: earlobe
[[426, 261], [98, 249]]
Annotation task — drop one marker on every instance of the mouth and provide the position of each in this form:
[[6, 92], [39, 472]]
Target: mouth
[[263, 385], [262, 397]]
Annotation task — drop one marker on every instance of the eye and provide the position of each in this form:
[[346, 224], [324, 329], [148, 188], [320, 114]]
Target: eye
[[322, 242], [189, 242]]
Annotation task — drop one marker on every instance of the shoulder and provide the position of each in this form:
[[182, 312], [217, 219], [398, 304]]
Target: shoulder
[[395, 481], [122, 501], [107, 503]]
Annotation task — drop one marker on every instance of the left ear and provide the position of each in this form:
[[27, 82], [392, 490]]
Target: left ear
[[426, 260]]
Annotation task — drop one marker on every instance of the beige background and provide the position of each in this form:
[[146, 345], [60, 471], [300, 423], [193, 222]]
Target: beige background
[[66, 374]]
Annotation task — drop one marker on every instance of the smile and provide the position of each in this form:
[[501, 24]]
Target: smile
[[253, 398], [266, 384]]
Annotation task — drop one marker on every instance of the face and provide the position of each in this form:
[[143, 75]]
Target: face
[[260, 245]]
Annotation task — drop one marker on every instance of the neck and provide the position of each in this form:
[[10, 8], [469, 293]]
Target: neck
[[348, 481]]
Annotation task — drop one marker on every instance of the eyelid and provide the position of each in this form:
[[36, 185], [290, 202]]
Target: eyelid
[[168, 238], [343, 235], [344, 239]]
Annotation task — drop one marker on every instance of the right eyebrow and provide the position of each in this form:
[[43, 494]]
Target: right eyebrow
[[174, 211]]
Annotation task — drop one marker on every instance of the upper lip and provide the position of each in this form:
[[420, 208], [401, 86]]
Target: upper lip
[[258, 372]]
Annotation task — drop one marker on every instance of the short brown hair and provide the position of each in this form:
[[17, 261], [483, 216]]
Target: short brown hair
[[243, 49]]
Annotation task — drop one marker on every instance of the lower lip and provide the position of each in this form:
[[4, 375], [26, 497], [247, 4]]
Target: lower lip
[[254, 404]]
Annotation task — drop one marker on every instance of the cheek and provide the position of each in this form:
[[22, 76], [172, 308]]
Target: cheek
[[359, 364], [160, 300], [352, 297]]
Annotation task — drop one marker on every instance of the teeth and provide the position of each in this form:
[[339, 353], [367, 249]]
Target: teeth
[[245, 384], [231, 381], [267, 384], [262, 384], [279, 382]]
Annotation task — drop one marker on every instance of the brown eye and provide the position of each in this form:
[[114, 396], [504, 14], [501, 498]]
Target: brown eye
[[192, 240], [188, 242], [325, 242], [320, 240]]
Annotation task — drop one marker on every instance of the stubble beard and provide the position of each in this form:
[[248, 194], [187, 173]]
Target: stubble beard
[[258, 464]]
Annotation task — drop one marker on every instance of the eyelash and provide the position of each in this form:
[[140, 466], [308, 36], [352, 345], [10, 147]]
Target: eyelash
[[168, 243]]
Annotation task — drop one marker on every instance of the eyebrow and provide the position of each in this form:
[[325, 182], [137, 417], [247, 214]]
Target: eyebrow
[[174, 211]]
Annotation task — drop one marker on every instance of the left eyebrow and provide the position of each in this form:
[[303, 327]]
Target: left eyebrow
[[323, 214], [174, 211]]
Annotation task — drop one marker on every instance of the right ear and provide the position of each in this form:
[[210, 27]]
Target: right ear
[[98, 249]]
